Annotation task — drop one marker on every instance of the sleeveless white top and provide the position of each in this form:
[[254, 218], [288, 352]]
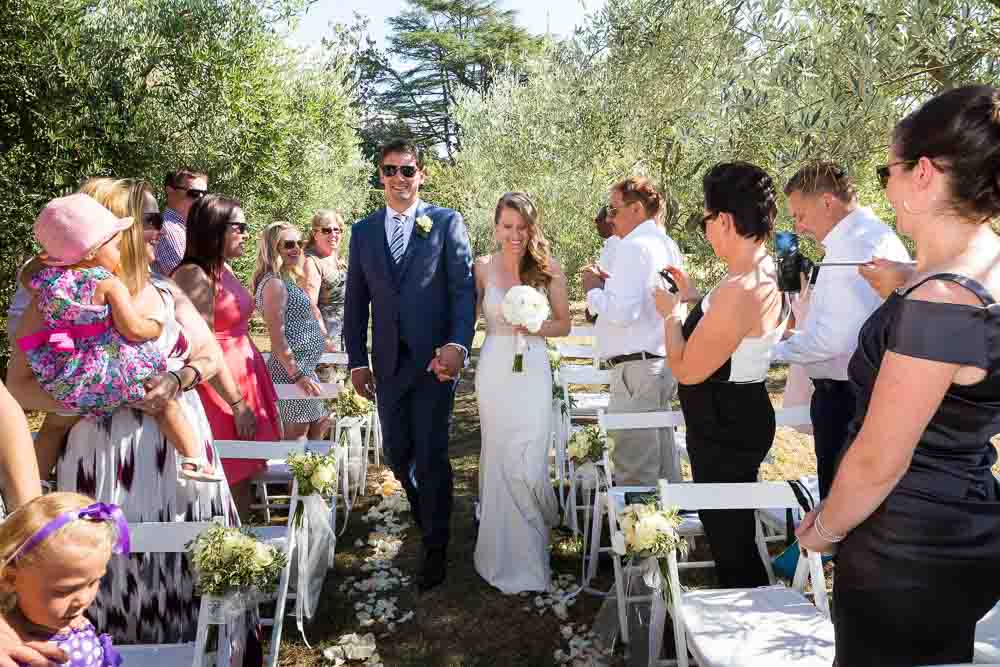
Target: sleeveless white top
[[752, 358]]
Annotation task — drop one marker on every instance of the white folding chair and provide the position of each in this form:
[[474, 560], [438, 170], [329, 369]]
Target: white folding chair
[[770, 625], [587, 350], [170, 537], [281, 536], [586, 403], [615, 502], [987, 646]]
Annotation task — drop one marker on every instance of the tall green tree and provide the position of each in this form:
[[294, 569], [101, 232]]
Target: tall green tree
[[438, 48]]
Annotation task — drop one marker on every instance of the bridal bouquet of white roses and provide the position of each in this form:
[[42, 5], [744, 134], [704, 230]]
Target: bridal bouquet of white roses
[[232, 561], [649, 533], [588, 445], [524, 306]]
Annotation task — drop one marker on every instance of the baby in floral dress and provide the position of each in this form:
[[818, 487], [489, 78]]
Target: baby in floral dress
[[96, 351]]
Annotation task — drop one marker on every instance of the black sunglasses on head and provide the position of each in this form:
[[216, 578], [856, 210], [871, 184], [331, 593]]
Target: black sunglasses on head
[[408, 170], [153, 221], [240, 227], [292, 245]]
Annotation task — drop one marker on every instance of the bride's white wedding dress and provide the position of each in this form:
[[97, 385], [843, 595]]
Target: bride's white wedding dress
[[517, 503]]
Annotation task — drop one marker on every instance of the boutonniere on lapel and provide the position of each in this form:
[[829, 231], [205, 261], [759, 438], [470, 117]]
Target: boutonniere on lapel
[[423, 226]]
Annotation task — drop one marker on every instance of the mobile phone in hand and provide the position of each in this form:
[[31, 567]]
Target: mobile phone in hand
[[671, 283]]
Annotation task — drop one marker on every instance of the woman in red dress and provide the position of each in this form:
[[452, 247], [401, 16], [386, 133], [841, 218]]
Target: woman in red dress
[[216, 233]]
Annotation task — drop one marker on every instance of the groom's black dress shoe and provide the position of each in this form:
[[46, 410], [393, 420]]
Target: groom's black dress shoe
[[434, 569]]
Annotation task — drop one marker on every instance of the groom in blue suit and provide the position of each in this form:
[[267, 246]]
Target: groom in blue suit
[[410, 267]]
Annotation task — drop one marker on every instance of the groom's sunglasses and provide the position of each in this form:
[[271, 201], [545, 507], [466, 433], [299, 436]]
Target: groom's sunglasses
[[408, 170]]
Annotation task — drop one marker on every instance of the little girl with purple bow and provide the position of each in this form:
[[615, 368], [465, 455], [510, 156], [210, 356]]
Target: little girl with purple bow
[[96, 351], [55, 550]]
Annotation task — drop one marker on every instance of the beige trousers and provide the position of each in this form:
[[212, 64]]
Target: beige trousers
[[643, 456]]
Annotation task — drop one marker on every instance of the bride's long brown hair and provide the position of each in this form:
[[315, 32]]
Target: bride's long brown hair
[[534, 267]]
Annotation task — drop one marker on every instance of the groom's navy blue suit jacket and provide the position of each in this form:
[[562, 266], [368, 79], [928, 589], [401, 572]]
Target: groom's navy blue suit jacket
[[424, 302]]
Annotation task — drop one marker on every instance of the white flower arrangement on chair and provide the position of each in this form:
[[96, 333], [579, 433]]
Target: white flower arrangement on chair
[[588, 446], [649, 533], [230, 561]]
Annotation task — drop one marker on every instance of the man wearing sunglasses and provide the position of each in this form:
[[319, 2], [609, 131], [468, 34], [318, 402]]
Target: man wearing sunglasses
[[410, 268], [183, 187], [823, 200]]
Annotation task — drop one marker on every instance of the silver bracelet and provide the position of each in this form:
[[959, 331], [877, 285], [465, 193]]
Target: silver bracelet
[[829, 537]]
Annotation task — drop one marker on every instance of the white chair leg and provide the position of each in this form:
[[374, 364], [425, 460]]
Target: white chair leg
[[201, 637], [595, 534], [762, 548], [620, 585], [279, 604]]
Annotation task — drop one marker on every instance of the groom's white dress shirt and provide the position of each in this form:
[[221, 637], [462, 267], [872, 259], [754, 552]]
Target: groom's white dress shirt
[[841, 300], [390, 223], [627, 320]]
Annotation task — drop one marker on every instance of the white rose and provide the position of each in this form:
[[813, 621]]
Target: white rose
[[263, 555], [231, 543], [323, 476]]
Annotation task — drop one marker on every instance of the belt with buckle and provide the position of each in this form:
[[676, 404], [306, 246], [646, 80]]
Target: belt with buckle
[[636, 356]]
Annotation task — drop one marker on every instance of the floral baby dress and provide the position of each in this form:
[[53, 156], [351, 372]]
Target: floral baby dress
[[79, 357]]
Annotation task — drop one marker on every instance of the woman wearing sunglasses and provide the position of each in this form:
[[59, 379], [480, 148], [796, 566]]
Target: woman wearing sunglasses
[[721, 353], [298, 337], [914, 509], [246, 408]]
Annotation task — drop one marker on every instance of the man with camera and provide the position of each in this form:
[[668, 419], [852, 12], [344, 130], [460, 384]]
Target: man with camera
[[823, 200]]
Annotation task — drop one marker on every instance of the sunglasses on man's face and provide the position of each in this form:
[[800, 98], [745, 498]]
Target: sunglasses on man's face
[[153, 221], [407, 170], [239, 227], [292, 245]]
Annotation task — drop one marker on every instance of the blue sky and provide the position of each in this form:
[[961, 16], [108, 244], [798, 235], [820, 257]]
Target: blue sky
[[559, 15]]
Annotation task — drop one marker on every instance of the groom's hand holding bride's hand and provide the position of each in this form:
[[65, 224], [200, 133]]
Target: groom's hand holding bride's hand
[[448, 363], [364, 382]]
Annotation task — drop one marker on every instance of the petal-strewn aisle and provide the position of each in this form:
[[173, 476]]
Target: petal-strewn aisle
[[464, 622]]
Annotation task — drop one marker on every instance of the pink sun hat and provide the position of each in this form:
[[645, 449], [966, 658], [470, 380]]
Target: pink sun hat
[[70, 228]]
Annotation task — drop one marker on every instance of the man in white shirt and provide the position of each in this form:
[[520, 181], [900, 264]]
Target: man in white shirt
[[629, 331], [823, 200]]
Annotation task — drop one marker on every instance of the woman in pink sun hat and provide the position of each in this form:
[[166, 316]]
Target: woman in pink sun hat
[[96, 350]]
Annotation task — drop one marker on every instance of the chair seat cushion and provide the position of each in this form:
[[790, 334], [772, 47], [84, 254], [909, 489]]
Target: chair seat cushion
[[762, 627], [588, 403], [987, 647]]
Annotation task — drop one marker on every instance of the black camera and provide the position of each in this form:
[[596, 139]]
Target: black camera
[[791, 263]]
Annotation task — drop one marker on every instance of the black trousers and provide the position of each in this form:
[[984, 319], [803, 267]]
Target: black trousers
[[730, 428], [831, 410]]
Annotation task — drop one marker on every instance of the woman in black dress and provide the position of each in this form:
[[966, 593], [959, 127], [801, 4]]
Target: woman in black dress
[[914, 506], [720, 356]]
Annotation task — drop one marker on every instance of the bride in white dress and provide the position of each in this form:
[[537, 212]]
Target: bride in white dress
[[517, 503]]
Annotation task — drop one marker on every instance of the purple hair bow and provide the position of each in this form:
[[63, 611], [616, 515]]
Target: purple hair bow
[[99, 512]]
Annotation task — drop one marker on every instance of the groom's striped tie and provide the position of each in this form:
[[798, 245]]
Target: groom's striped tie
[[396, 245]]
